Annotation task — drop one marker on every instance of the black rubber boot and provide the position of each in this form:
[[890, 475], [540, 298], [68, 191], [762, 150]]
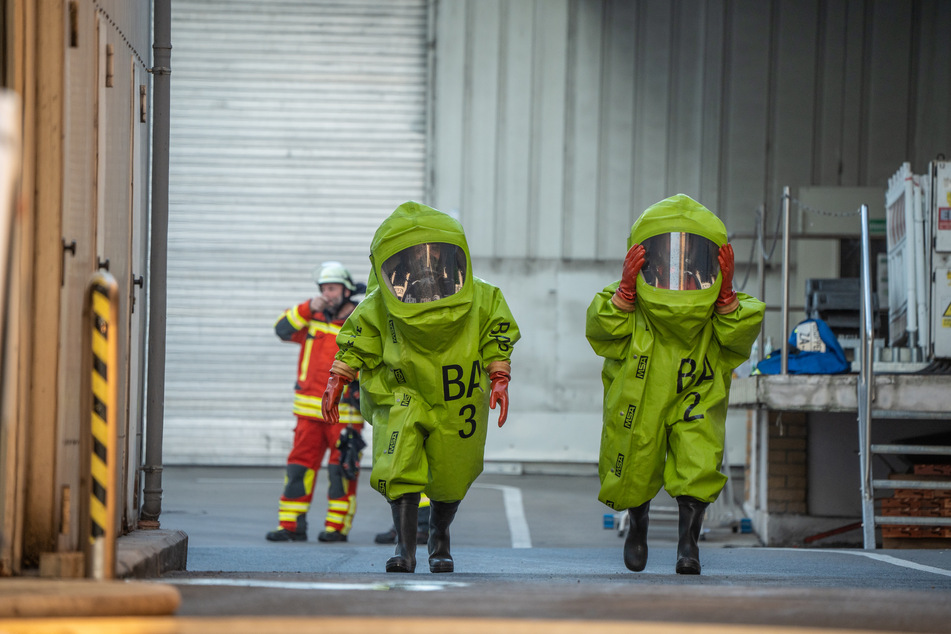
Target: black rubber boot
[[635, 546], [331, 536], [441, 516], [422, 529], [422, 525], [691, 521], [299, 534], [405, 510]]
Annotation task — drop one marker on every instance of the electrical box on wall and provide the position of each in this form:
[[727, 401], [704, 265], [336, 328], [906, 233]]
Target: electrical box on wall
[[940, 207], [908, 288], [919, 261]]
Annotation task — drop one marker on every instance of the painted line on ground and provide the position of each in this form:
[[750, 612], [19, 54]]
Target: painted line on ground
[[511, 498], [514, 513], [895, 561], [411, 586], [886, 559]]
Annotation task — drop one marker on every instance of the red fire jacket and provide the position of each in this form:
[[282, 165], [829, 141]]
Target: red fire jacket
[[317, 336]]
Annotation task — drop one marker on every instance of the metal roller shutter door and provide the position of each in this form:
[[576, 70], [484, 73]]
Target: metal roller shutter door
[[296, 128]]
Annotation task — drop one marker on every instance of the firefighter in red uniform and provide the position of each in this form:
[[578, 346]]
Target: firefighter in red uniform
[[314, 325]]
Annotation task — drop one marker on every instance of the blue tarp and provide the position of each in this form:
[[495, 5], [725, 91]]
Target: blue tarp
[[813, 349]]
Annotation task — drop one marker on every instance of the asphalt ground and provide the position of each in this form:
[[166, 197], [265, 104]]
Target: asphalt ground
[[235, 507], [531, 554], [532, 546]]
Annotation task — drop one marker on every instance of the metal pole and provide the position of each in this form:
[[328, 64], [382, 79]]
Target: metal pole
[[865, 390], [762, 472], [911, 279], [784, 364], [925, 337], [761, 276], [155, 411]]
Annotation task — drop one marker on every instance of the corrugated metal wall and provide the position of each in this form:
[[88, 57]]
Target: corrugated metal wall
[[556, 122], [296, 128], [561, 120]]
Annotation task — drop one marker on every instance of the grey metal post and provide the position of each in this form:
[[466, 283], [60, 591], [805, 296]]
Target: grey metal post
[[759, 472], [155, 411], [865, 387], [784, 364], [761, 276]]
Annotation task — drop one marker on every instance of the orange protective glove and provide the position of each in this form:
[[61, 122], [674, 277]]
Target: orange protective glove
[[499, 393], [726, 300], [633, 261], [328, 404]]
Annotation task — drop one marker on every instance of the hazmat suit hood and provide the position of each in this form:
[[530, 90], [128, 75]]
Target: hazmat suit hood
[[414, 224], [677, 313]]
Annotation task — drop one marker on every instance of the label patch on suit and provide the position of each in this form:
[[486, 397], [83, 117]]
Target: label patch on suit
[[641, 366], [398, 374], [393, 332], [629, 419], [392, 446], [619, 465], [610, 503], [405, 400], [381, 486]]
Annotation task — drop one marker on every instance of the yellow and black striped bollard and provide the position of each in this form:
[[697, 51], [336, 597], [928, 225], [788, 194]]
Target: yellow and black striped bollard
[[103, 318]]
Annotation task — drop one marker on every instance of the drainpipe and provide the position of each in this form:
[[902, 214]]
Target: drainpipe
[[155, 411]]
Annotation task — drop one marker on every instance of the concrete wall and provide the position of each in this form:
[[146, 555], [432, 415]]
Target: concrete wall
[[556, 122]]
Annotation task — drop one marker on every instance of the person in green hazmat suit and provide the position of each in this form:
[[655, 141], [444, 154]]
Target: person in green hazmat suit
[[671, 331], [433, 346]]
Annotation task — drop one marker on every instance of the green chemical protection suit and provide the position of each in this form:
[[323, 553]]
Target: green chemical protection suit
[[667, 370], [425, 349]]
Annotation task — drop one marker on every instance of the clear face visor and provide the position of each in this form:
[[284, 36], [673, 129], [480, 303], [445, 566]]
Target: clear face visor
[[425, 272], [680, 262]]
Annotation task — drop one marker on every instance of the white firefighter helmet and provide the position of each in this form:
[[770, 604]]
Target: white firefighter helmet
[[334, 273]]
